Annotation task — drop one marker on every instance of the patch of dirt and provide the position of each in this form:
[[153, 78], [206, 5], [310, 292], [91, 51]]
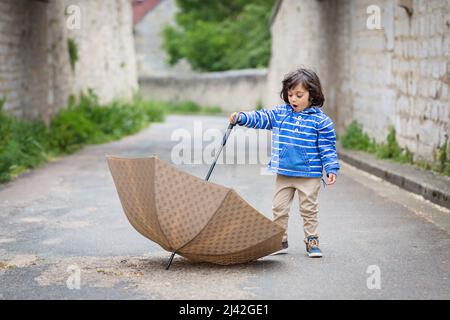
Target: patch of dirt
[[147, 276], [20, 261], [5, 266]]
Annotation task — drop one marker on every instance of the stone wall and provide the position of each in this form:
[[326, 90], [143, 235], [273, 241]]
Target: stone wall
[[36, 77], [229, 90], [396, 76], [421, 76], [300, 37], [23, 56]]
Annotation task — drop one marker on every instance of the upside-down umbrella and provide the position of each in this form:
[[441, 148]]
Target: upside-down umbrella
[[186, 215]]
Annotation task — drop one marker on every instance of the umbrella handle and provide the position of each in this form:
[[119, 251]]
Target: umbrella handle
[[235, 121], [224, 141]]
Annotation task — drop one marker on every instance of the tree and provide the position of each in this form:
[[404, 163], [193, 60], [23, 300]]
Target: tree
[[220, 35]]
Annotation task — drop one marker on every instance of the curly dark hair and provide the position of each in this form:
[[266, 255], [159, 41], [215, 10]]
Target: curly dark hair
[[309, 80]]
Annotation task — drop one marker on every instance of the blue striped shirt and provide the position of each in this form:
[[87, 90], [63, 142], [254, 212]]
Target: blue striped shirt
[[303, 143]]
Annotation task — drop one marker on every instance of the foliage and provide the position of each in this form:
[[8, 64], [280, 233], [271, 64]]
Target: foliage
[[220, 35], [23, 144], [354, 138], [188, 107], [73, 52], [27, 144]]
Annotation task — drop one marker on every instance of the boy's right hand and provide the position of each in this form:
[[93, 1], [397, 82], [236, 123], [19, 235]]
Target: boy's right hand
[[233, 116]]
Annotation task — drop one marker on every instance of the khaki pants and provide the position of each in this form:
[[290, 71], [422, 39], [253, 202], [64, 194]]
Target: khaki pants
[[308, 190]]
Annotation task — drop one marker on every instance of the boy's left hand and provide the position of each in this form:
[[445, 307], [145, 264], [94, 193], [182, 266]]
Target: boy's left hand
[[331, 178]]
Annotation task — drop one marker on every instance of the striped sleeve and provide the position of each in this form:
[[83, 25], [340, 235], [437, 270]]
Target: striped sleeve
[[327, 146], [260, 119]]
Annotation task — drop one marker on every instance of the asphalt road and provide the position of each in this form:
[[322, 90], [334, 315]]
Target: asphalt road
[[63, 222]]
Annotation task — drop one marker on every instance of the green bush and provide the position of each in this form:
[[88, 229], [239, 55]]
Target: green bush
[[447, 169], [406, 156], [354, 137], [5, 127], [183, 107], [32, 139], [211, 110], [70, 129], [6, 156], [119, 119], [23, 144], [89, 122], [443, 161], [188, 107], [220, 35], [391, 149], [443, 165], [26, 144], [154, 111]]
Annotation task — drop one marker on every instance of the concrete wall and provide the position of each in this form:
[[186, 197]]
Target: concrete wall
[[35, 74], [421, 76], [230, 90], [300, 37], [397, 76]]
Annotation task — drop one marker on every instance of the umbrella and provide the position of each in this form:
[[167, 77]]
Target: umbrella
[[197, 219]]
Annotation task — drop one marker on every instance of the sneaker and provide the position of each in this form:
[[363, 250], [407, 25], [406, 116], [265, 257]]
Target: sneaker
[[284, 248], [312, 247]]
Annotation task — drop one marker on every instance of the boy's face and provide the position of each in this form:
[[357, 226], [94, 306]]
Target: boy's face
[[298, 98]]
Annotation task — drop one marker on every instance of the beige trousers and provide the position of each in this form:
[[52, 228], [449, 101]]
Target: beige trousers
[[308, 190]]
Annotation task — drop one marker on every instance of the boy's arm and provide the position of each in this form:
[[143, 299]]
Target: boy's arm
[[327, 146], [260, 119]]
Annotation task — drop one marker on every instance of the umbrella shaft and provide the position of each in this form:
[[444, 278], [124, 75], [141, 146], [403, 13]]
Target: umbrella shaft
[[224, 141], [170, 260]]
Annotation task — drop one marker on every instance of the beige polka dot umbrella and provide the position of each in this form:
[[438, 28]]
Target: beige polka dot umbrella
[[197, 219], [194, 218]]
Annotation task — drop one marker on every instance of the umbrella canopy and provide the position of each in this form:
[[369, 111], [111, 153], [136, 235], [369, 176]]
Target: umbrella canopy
[[197, 219]]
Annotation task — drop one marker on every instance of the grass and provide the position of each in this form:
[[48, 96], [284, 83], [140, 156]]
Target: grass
[[189, 107], [355, 138], [27, 144]]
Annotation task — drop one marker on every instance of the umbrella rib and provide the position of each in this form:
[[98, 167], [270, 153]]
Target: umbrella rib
[[206, 224], [157, 217]]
